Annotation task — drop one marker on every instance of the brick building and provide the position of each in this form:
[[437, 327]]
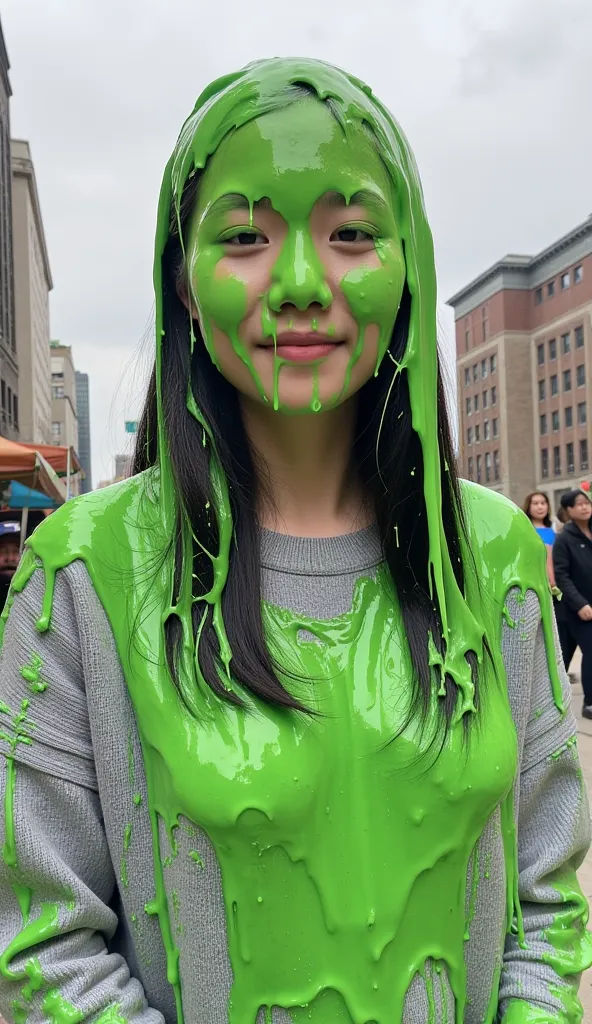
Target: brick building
[[523, 357]]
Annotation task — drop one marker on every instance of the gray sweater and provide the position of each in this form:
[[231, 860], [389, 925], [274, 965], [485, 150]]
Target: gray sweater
[[72, 810]]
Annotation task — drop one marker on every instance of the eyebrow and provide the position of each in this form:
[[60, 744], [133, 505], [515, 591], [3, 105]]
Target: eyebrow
[[365, 197], [236, 201]]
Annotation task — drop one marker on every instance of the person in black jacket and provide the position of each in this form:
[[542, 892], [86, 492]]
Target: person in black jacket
[[572, 559]]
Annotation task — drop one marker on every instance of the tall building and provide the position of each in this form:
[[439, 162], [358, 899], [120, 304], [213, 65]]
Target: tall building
[[9, 404], [32, 285], [64, 420], [123, 466], [524, 357], [83, 413]]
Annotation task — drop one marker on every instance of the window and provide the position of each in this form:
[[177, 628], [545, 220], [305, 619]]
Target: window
[[493, 364], [540, 354], [468, 405], [579, 336], [538, 296], [57, 391], [484, 370], [9, 404], [479, 460], [3, 394], [467, 377], [569, 457], [566, 343], [485, 323], [553, 349], [543, 423], [565, 281], [494, 395], [578, 274], [486, 430], [583, 454], [568, 417], [16, 410], [467, 334], [550, 289], [581, 414], [555, 420], [567, 380], [56, 429], [484, 402], [476, 371], [488, 467], [477, 437], [476, 403], [554, 384], [542, 390], [494, 427], [469, 435], [470, 467], [496, 465], [544, 462], [580, 375], [557, 460]]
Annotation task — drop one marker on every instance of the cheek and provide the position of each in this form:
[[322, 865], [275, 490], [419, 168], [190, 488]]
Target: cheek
[[221, 297], [373, 294]]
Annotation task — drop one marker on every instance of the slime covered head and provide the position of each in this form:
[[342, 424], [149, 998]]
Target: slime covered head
[[243, 103]]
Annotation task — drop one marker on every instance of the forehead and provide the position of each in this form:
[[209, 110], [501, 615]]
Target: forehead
[[293, 157]]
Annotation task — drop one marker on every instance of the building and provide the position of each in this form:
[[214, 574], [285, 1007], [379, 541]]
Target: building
[[9, 403], [64, 420], [123, 466], [32, 285], [83, 414], [523, 357]]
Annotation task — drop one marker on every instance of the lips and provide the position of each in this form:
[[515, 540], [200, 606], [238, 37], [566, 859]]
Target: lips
[[303, 347]]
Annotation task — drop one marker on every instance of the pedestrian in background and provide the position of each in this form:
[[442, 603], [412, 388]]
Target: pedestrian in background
[[572, 560], [536, 506]]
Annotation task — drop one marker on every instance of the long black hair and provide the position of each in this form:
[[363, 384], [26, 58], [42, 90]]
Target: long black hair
[[387, 454]]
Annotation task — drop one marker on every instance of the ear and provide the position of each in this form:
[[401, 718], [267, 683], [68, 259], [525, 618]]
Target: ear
[[186, 299]]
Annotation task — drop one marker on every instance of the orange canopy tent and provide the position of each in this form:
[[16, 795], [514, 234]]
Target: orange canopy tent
[[26, 465], [57, 456]]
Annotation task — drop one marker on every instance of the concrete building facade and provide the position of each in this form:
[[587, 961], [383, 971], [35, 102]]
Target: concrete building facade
[[64, 419], [523, 357], [9, 401], [83, 415], [32, 285]]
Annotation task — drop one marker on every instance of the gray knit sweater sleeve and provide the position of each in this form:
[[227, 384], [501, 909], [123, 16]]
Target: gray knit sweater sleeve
[[62, 856]]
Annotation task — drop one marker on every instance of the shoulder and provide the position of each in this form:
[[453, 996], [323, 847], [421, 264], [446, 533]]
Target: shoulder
[[495, 523], [94, 522]]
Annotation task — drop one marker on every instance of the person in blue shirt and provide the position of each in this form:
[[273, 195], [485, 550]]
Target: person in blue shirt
[[536, 506]]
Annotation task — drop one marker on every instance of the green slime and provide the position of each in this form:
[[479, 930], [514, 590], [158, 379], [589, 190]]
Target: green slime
[[337, 845]]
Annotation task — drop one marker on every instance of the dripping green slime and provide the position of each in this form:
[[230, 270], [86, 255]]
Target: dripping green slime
[[335, 850]]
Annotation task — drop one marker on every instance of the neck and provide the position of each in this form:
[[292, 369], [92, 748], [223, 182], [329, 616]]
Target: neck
[[538, 522], [584, 526], [307, 487]]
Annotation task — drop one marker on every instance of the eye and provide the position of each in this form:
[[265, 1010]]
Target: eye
[[246, 238], [351, 235]]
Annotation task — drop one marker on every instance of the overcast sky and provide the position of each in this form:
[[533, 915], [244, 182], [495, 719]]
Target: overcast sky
[[494, 97]]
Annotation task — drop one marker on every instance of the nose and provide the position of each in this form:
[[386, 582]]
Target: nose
[[298, 277]]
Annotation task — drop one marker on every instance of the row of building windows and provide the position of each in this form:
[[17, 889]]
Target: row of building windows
[[553, 388], [569, 459], [489, 431], [9, 405], [487, 399], [484, 328], [581, 418], [564, 283], [481, 370], [490, 462], [565, 345]]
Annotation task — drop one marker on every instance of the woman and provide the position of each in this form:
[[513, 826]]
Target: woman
[[536, 506], [287, 736], [572, 558]]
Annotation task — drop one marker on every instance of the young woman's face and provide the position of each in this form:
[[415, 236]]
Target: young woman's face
[[294, 260], [581, 510], [539, 507]]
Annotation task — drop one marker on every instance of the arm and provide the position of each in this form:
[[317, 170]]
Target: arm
[[56, 877], [561, 564], [550, 568], [540, 978]]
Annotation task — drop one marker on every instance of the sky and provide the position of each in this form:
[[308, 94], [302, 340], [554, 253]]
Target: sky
[[493, 96]]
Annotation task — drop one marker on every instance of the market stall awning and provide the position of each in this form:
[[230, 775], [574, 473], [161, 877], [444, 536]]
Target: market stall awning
[[25, 497], [27, 466], [57, 456]]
